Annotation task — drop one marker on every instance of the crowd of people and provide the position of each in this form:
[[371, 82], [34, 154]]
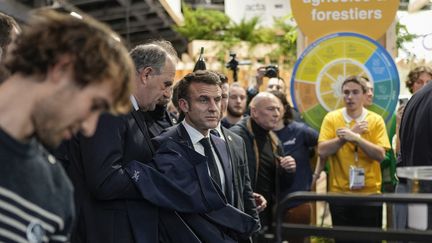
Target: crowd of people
[[92, 150]]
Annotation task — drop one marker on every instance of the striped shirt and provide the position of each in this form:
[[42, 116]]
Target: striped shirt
[[36, 197]]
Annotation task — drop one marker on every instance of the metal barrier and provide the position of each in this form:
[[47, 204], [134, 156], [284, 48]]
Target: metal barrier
[[348, 232]]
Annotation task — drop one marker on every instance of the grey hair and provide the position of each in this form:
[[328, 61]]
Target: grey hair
[[152, 54]]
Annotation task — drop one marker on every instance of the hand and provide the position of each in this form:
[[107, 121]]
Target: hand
[[287, 163], [347, 135], [315, 177], [360, 127], [260, 201], [260, 76]]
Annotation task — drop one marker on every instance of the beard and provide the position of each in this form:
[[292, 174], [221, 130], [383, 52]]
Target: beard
[[46, 134], [234, 113], [49, 122]]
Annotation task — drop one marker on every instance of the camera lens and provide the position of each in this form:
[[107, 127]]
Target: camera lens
[[271, 72]]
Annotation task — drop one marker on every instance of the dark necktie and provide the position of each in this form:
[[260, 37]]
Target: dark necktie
[[215, 132], [214, 172]]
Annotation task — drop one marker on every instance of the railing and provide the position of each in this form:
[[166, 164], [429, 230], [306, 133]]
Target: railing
[[348, 232]]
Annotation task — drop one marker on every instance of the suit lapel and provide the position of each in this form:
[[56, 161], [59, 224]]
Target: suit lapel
[[231, 149], [221, 150], [184, 136], [140, 120]]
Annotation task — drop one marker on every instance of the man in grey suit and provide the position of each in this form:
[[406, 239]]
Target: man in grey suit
[[237, 152]]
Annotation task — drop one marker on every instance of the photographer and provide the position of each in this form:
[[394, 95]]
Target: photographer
[[275, 82]]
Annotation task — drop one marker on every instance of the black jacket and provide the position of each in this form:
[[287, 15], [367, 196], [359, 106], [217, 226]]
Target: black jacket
[[230, 223], [244, 130]]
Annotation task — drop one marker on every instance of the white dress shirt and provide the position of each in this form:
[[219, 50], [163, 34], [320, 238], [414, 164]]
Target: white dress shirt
[[196, 137]]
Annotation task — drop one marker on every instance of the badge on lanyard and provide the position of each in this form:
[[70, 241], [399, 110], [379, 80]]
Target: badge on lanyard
[[356, 178]]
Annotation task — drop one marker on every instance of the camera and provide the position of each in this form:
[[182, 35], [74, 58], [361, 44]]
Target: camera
[[271, 71]]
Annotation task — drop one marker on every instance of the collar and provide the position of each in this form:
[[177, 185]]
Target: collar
[[194, 134], [134, 102], [349, 119], [219, 129]]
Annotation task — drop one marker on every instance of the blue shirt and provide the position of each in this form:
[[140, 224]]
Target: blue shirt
[[297, 139]]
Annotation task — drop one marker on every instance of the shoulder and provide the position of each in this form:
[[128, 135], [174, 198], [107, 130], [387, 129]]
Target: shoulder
[[171, 132], [334, 114], [231, 136], [240, 128], [374, 117]]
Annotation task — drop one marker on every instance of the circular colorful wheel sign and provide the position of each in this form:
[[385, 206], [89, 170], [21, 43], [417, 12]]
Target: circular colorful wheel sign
[[324, 65]]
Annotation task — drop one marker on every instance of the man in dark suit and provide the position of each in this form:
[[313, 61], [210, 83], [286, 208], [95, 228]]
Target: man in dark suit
[[109, 207], [237, 150], [199, 98]]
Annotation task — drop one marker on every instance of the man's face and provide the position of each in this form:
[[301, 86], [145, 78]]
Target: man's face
[[266, 113], [369, 94], [423, 79], [237, 101], [156, 84], [70, 109], [166, 97], [353, 96], [276, 84], [202, 110], [224, 101]]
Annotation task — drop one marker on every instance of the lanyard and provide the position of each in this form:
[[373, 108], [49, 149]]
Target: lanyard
[[356, 158]]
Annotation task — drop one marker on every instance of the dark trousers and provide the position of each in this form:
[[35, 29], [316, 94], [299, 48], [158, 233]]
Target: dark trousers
[[356, 215]]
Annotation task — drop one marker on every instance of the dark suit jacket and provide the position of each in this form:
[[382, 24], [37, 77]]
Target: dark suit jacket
[[243, 198], [225, 218], [108, 203], [110, 208]]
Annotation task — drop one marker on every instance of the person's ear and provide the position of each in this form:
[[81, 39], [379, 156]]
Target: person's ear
[[144, 75], [183, 105]]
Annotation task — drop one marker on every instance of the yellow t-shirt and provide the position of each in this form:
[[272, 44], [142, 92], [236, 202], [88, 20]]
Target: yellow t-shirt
[[344, 158]]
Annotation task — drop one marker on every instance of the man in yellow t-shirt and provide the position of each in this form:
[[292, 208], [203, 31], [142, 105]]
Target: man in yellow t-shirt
[[354, 141]]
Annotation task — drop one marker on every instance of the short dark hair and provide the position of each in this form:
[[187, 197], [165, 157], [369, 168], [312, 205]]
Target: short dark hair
[[96, 55], [152, 54], [223, 78], [360, 80], [288, 115], [414, 74], [199, 76]]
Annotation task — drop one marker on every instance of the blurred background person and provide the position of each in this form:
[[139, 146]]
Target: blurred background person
[[297, 139], [236, 105]]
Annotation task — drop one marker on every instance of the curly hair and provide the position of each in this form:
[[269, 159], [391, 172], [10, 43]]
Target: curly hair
[[414, 75], [95, 52], [7, 25]]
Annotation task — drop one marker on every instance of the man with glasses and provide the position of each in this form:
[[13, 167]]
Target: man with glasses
[[354, 155]]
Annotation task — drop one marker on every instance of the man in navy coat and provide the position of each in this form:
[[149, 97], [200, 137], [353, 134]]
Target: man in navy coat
[[110, 209], [199, 97]]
